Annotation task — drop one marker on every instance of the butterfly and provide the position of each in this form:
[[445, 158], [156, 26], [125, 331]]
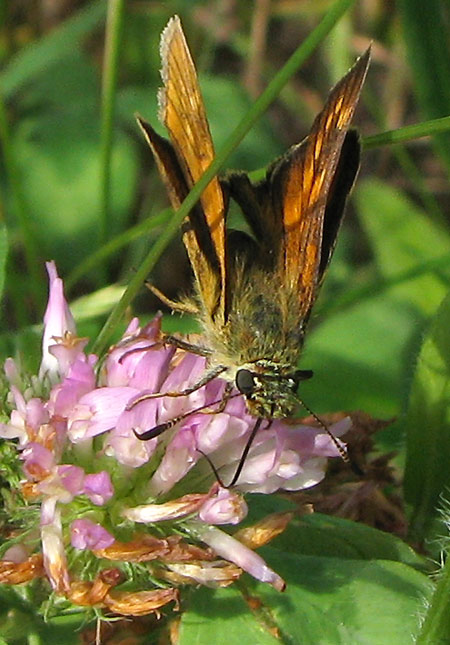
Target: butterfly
[[253, 293]]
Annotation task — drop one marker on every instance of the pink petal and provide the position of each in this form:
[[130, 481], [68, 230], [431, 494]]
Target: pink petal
[[227, 507], [72, 478], [57, 321], [85, 534], [79, 381], [181, 454], [234, 551], [98, 411], [98, 487], [39, 461]]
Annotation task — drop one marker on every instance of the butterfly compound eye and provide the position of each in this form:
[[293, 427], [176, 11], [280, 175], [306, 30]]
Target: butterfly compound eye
[[245, 381]]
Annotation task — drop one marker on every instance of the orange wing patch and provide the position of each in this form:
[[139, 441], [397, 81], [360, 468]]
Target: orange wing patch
[[306, 181]]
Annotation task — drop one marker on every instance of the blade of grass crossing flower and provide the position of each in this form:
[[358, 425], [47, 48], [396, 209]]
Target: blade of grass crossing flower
[[259, 107], [116, 243], [114, 31]]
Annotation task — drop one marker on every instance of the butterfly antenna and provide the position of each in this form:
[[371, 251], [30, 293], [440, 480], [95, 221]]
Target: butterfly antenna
[[342, 451], [213, 468], [242, 460]]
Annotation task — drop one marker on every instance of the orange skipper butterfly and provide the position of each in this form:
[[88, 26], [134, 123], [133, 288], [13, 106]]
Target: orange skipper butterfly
[[254, 293]]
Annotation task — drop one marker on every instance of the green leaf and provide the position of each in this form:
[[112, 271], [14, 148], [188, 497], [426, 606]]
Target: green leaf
[[360, 358], [427, 426], [328, 600], [402, 237], [331, 600], [59, 162], [20, 620], [426, 35], [436, 626], [318, 534], [221, 617]]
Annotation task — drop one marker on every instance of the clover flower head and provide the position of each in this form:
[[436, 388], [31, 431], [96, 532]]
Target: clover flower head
[[101, 494]]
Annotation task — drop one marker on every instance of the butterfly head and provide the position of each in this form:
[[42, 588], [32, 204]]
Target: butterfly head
[[269, 388]]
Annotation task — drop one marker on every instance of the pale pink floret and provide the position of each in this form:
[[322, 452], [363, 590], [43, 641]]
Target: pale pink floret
[[234, 551], [85, 534], [38, 460], [178, 459], [25, 420], [185, 373], [53, 550], [80, 380], [98, 487], [63, 484], [122, 442], [227, 507], [138, 360], [58, 321], [98, 412]]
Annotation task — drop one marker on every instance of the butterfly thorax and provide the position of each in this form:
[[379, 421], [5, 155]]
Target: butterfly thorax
[[262, 336]]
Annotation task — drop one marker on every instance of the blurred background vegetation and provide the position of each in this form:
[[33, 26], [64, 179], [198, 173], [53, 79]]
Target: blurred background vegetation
[[61, 97], [79, 186]]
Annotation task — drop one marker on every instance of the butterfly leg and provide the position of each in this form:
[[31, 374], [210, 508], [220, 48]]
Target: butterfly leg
[[182, 307], [188, 347], [208, 376], [225, 398]]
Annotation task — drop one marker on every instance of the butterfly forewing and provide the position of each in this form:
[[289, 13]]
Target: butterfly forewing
[[183, 113]]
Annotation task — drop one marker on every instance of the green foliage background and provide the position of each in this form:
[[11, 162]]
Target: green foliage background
[[78, 185]]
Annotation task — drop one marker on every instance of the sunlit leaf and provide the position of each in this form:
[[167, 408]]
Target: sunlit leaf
[[427, 426]]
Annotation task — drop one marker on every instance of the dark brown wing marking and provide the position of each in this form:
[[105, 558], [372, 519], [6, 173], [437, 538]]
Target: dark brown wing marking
[[196, 236]]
